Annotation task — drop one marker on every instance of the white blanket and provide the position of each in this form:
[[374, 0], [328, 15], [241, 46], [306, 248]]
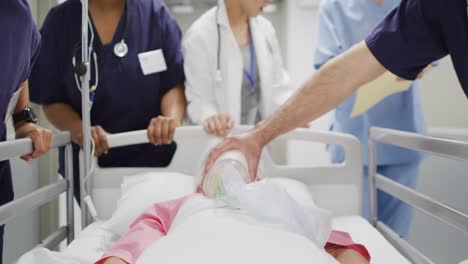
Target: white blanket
[[43, 255], [223, 235], [272, 229], [87, 248]]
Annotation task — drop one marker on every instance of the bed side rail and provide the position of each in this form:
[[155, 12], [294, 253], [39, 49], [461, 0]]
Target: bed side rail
[[18, 207], [352, 147], [193, 143], [441, 147]]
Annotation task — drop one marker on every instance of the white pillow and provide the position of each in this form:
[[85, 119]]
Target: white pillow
[[139, 192]]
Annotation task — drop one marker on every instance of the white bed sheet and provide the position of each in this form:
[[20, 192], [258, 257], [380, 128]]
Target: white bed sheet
[[91, 243], [363, 232]]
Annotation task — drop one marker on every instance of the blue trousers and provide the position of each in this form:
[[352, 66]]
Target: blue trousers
[[391, 211]]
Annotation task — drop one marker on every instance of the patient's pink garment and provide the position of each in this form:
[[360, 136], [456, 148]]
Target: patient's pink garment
[[156, 222]]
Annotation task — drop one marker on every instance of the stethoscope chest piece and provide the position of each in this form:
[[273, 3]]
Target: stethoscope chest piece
[[218, 77], [121, 49]]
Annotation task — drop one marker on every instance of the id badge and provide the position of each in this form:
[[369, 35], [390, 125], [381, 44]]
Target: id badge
[[152, 62]]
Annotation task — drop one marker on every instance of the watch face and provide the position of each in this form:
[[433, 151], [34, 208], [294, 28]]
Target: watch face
[[30, 115]]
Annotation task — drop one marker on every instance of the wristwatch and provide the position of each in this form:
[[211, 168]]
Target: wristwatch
[[26, 115]]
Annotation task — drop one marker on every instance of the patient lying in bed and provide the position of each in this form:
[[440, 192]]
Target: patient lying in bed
[[196, 229], [230, 220]]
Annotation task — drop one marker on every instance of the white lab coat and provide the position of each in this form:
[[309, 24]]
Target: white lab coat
[[208, 95]]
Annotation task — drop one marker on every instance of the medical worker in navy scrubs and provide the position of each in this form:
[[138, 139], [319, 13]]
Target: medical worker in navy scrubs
[[415, 34], [18, 48], [136, 70]]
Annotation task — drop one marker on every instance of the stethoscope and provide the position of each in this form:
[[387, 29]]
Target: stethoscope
[[120, 50], [467, 8], [249, 74]]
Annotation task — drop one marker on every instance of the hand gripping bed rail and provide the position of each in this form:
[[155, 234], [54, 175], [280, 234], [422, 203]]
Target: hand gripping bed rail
[[193, 142], [350, 144], [20, 206], [441, 147]]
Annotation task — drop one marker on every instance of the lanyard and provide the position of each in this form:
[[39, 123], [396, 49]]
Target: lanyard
[[251, 75]]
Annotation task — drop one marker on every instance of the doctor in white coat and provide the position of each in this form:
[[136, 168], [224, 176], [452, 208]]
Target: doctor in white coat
[[233, 66]]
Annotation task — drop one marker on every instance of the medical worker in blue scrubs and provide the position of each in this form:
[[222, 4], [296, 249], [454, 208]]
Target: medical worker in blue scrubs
[[18, 48], [342, 24], [412, 36], [136, 70]]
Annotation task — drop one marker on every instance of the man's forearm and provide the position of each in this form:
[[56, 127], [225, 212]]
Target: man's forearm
[[23, 100], [173, 103], [62, 116], [330, 86]]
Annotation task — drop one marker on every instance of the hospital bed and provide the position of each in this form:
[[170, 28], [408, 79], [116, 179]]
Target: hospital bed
[[336, 187]]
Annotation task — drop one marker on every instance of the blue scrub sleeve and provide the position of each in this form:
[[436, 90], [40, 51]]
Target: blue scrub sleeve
[[45, 84], [328, 43], [172, 47], [410, 38]]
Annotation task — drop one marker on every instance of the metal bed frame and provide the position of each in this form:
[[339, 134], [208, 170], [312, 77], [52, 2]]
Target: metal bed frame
[[104, 186], [20, 206], [442, 147]]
